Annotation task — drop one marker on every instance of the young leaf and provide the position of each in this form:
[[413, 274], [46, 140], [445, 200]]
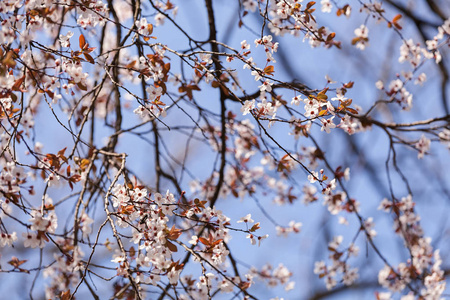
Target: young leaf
[[82, 41], [269, 70]]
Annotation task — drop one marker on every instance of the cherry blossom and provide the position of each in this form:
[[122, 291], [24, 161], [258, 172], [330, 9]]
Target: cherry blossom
[[423, 145], [117, 184]]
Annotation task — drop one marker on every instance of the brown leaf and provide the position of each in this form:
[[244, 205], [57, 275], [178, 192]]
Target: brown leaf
[[50, 94], [171, 246], [61, 152], [65, 295], [255, 227], [349, 85], [331, 36], [244, 285], [9, 59], [42, 235], [347, 102], [310, 4], [13, 97], [353, 111], [89, 58], [15, 262], [322, 96], [75, 178], [174, 233], [82, 86], [130, 65]]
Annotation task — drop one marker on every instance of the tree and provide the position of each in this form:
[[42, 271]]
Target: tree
[[181, 149]]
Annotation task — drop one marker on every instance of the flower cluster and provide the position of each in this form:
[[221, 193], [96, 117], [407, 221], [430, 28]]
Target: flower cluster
[[338, 264], [293, 17], [270, 154], [92, 15], [424, 262]]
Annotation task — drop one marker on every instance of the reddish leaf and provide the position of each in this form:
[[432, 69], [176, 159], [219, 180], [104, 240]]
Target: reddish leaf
[[204, 241], [217, 242], [395, 21], [82, 41], [396, 18], [18, 83]]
